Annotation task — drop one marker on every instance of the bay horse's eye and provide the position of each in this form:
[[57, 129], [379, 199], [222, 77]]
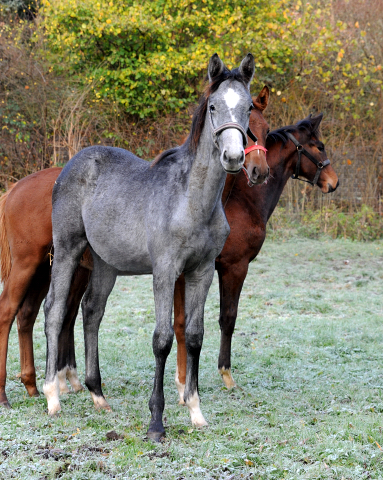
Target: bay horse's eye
[[212, 108], [321, 148]]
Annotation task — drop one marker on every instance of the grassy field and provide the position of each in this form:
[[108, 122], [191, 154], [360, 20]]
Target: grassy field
[[307, 354]]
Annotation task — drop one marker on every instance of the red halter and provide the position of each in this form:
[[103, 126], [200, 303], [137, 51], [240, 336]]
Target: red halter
[[255, 147], [248, 150]]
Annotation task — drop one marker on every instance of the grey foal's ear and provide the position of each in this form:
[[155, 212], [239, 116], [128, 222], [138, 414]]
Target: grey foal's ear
[[215, 68], [247, 69]]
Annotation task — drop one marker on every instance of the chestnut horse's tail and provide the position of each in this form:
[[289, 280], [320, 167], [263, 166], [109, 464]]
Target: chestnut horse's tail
[[5, 252]]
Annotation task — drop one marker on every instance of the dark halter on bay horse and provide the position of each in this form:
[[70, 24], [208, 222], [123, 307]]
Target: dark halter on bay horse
[[302, 151]]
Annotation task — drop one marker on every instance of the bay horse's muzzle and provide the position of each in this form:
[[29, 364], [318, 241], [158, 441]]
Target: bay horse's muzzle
[[256, 168]]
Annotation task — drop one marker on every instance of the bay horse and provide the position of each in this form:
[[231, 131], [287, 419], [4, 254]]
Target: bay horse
[[26, 254], [165, 218], [294, 150]]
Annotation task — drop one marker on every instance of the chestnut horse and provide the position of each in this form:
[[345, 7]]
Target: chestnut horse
[[294, 150], [26, 253]]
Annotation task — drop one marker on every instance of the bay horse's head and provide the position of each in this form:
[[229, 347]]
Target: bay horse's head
[[228, 108], [256, 168], [310, 162]]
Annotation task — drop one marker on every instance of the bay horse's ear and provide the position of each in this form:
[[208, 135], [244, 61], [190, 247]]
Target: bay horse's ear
[[262, 100], [315, 122], [247, 69], [215, 68]]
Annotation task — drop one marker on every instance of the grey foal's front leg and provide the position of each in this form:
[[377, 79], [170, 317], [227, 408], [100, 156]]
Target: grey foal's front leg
[[197, 284], [93, 305], [163, 288]]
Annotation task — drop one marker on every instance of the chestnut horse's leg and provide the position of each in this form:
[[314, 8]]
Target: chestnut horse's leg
[[26, 318], [66, 354], [12, 296], [179, 330], [230, 286]]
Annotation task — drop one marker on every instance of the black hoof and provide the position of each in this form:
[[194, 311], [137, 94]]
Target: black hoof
[[5, 404], [156, 436]]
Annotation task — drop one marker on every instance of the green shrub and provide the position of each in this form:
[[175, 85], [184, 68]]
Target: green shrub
[[150, 55]]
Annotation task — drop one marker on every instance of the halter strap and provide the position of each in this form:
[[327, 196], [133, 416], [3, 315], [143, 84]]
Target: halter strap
[[216, 131], [251, 135], [301, 150]]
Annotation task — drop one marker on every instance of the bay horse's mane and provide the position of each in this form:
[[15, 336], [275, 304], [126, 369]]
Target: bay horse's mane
[[279, 135], [199, 116]]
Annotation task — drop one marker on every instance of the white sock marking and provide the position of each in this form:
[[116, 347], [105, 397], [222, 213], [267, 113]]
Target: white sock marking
[[181, 388], [227, 377], [61, 375], [100, 402], [51, 391], [72, 376], [196, 416]]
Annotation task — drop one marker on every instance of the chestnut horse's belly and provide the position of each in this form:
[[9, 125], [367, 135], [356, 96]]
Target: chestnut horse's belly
[[87, 260]]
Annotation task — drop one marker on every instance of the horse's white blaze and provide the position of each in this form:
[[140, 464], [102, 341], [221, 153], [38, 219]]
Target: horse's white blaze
[[51, 391], [231, 98], [196, 416], [181, 388], [100, 402], [71, 375], [61, 375], [227, 377]]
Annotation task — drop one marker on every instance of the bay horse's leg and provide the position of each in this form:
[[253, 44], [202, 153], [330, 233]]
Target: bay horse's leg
[[26, 318], [93, 305], [66, 363], [230, 286], [68, 252], [163, 289], [197, 285], [179, 330], [12, 296]]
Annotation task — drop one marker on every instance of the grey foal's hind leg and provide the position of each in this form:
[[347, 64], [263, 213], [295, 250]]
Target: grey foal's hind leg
[[163, 289], [197, 284], [93, 307], [64, 265], [66, 364]]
